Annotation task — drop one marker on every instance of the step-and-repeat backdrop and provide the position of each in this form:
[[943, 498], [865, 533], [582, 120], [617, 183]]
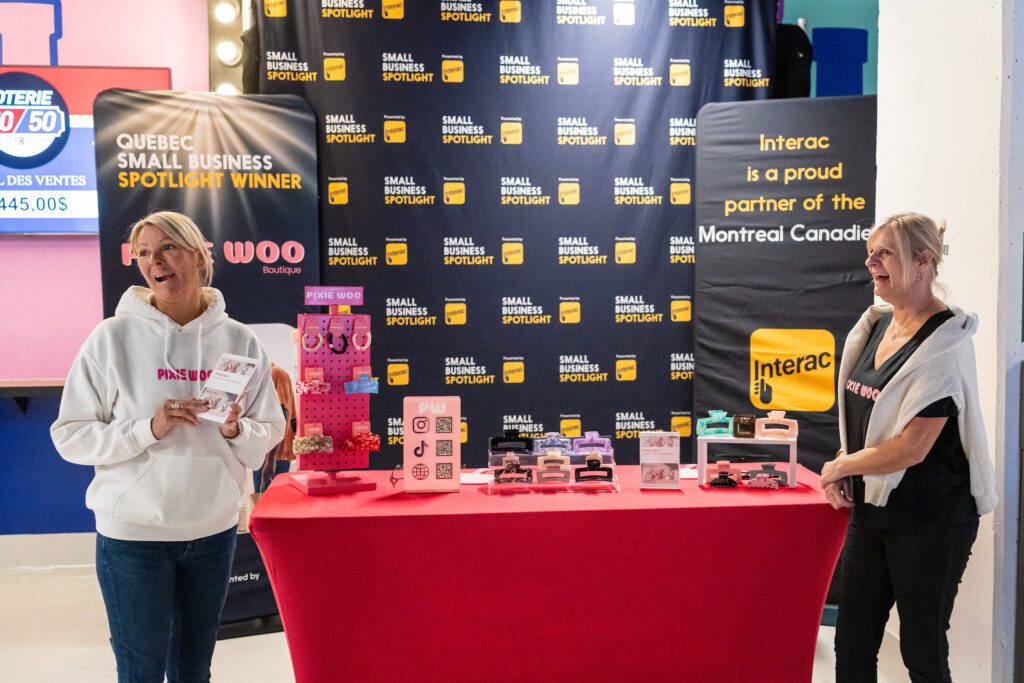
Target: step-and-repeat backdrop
[[512, 182]]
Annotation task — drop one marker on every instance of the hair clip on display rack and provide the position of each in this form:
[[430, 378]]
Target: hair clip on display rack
[[718, 423], [553, 467], [316, 443], [776, 426], [595, 469], [511, 472], [592, 443], [743, 426], [552, 441]]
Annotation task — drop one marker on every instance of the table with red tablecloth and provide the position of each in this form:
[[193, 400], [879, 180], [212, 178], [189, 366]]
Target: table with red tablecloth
[[643, 585]]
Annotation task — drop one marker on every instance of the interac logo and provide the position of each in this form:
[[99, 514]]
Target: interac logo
[[625, 133], [512, 253], [454, 193], [396, 254], [680, 193], [453, 71], [334, 68], [510, 11], [513, 371], [511, 133], [394, 132], [398, 374], [792, 369], [569, 194], [392, 9], [571, 427], [625, 370], [682, 424], [679, 74], [463, 432], [455, 314], [569, 312], [337, 192], [735, 16], [568, 73], [681, 311], [275, 8], [625, 252]]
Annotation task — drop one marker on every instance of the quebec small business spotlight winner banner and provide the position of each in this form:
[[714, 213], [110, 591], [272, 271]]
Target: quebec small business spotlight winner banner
[[244, 168]]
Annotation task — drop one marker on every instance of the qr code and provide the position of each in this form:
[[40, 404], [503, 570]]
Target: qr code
[[444, 447], [443, 425], [444, 470]]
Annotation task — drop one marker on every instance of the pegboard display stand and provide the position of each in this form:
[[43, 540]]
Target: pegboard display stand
[[321, 345]]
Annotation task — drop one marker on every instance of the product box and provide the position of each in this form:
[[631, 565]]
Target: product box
[[659, 460]]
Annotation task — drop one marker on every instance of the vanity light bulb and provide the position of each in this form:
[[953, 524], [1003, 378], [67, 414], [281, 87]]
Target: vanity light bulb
[[227, 89], [228, 52], [225, 12]]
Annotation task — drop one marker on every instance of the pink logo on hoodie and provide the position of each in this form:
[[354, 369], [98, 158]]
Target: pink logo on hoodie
[[184, 375]]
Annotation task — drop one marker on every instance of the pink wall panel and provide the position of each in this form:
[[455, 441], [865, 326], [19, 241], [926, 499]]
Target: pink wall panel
[[50, 286]]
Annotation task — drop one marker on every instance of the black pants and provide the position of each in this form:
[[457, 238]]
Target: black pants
[[918, 569]]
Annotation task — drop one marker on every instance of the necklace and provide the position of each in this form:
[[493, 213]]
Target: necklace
[[897, 329]]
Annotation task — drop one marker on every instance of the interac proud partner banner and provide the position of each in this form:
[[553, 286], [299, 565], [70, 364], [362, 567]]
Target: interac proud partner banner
[[512, 183], [243, 168], [786, 200]]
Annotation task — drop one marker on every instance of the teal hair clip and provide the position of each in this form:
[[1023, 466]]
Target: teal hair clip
[[718, 423]]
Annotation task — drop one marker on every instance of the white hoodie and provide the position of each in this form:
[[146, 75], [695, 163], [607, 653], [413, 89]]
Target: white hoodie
[[942, 366], [188, 484]]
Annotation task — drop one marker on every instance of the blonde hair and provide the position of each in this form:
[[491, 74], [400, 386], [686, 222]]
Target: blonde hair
[[181, 230], [915, 235]]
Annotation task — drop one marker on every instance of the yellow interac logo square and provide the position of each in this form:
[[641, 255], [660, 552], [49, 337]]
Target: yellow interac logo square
[[568, 73], [454, 193], [275, 8], [625, 133], [510, 11], [463, 432], [398, 374], [337, 192], [625, 370], [569, 193], [571, 427], [396, 254], [453, 70], [512, 253], [334, 68], [394, 132], [455, 314], [679, 74], [625, 252], [392, 9], [681, 311], [680, 193], [513, 371], [569, 312], [511, 133], [735, 16], [682, 424], [792, 369]]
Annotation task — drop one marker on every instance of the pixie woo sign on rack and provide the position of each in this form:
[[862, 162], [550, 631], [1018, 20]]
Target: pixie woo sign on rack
[[243, 168]]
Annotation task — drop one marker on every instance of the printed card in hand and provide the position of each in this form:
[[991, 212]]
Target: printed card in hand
[[225, 385]]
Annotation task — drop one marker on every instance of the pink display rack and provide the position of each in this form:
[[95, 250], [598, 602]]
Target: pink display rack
[[321, 346]]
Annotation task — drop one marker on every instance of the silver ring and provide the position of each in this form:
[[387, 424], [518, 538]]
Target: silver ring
[[175, 405]]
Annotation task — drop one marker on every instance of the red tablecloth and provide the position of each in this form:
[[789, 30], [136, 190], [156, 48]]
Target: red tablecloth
[[691, 585]]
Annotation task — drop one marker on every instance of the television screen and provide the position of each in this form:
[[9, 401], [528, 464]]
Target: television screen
[[47, 161]]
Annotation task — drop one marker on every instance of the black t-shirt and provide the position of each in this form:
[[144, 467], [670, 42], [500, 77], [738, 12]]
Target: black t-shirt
[[936, 490]]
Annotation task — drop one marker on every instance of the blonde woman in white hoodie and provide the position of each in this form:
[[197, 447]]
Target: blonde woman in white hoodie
[[914, 462], [167, 484]]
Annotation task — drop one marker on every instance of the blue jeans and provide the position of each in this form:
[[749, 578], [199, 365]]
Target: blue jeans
[[164, 600], [920, 570]]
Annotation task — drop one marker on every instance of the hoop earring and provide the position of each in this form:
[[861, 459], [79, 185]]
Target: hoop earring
[[319, 342], [361, 347], [330, 343]]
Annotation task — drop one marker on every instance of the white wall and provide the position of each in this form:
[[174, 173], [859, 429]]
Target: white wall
[[945, 146]]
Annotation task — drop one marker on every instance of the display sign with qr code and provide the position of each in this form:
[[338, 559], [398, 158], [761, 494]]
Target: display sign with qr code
[[432, 450]]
